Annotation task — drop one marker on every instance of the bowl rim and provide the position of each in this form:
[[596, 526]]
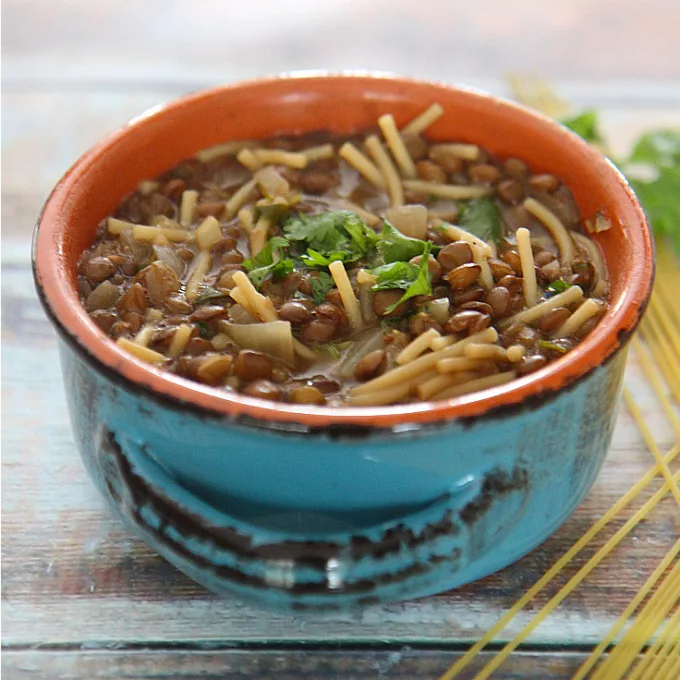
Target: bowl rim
[[63, 306]]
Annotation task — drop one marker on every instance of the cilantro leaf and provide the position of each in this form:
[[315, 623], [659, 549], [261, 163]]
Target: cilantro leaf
[[557, 347], [395, 247], [331, 236], [481, 218], [660, 198], [394, 275], [320, 232], [413, 279], [585, 124], [312, 258], [659, 147], [557, 286], [264, 265], [204, 330], [266, 256], [321, 284], [206, 294]]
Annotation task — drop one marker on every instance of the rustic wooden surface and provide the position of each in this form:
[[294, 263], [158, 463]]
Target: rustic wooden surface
[[81, 597]]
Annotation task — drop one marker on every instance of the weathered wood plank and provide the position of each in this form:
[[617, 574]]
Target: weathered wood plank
[[282, 665]]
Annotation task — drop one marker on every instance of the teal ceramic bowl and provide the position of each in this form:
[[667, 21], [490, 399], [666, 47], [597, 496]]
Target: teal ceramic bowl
[[313, 507]]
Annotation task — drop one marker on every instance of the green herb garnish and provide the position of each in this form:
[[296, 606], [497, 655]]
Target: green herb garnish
[[321, 284], [411, 278], [331, 236], [557, 286], [659, 189], [481, 218], [553, 346], [204, 330], [395, 247], [265, 265], [206, 294], [587, 125]]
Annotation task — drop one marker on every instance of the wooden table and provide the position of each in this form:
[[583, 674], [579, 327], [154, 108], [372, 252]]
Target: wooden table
[[84, 599]]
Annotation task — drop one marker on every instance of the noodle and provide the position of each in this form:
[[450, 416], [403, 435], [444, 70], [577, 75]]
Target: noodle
[[475, 385], [555, 227], [526, 257], [457, 234], [349, 300], [144, 353], [396, 145], [572, 294], [202, 264], [417, 346], [587, 310], [423, 121], [361, 163], [238, 198], [389, 172], [180, 339], [291, 159], [459, 192], [187, 207]]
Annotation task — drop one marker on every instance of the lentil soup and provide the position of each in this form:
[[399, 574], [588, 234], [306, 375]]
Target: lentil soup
[[367, 270]]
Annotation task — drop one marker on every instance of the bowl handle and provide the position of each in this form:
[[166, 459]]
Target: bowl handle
[[219, 550]]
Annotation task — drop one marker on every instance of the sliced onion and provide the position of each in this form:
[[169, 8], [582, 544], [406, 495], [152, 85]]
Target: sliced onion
[[444, 209], [238, 314], [349, 179], [274, 338], [410, 220], [168, 255], [142, 253], [438, 309], [368, 341], [366, 302]]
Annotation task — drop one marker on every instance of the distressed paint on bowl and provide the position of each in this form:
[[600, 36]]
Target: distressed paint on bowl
[[310, 506]]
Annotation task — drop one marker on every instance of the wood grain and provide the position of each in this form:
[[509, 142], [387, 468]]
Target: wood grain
[[282, 665]]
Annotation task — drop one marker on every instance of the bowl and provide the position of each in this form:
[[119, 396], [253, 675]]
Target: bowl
[[311, 507]]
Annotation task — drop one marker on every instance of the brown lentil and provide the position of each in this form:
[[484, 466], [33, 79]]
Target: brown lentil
[[463, 276], [454, 255], [371, 366], [251, 365]]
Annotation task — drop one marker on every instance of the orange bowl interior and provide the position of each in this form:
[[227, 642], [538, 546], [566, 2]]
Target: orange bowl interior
[[161, 138]]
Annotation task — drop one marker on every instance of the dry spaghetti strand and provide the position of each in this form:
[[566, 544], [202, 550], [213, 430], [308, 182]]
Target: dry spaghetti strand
[[665, 645]]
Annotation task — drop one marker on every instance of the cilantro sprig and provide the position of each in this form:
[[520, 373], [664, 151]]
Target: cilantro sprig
[[411, 278], [481, 218], [658, 186], [331, 236], [269, 262]]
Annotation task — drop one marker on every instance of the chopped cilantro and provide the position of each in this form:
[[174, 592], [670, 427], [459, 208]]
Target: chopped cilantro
[[557, 286], [264, 265], [331, 236], [395, 247], [206, 294], [553, 346], [204, 330], [586, 125], [330, 349], [321, 284], [411, 278], [314, 259], [659, 194], [481, 218]]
